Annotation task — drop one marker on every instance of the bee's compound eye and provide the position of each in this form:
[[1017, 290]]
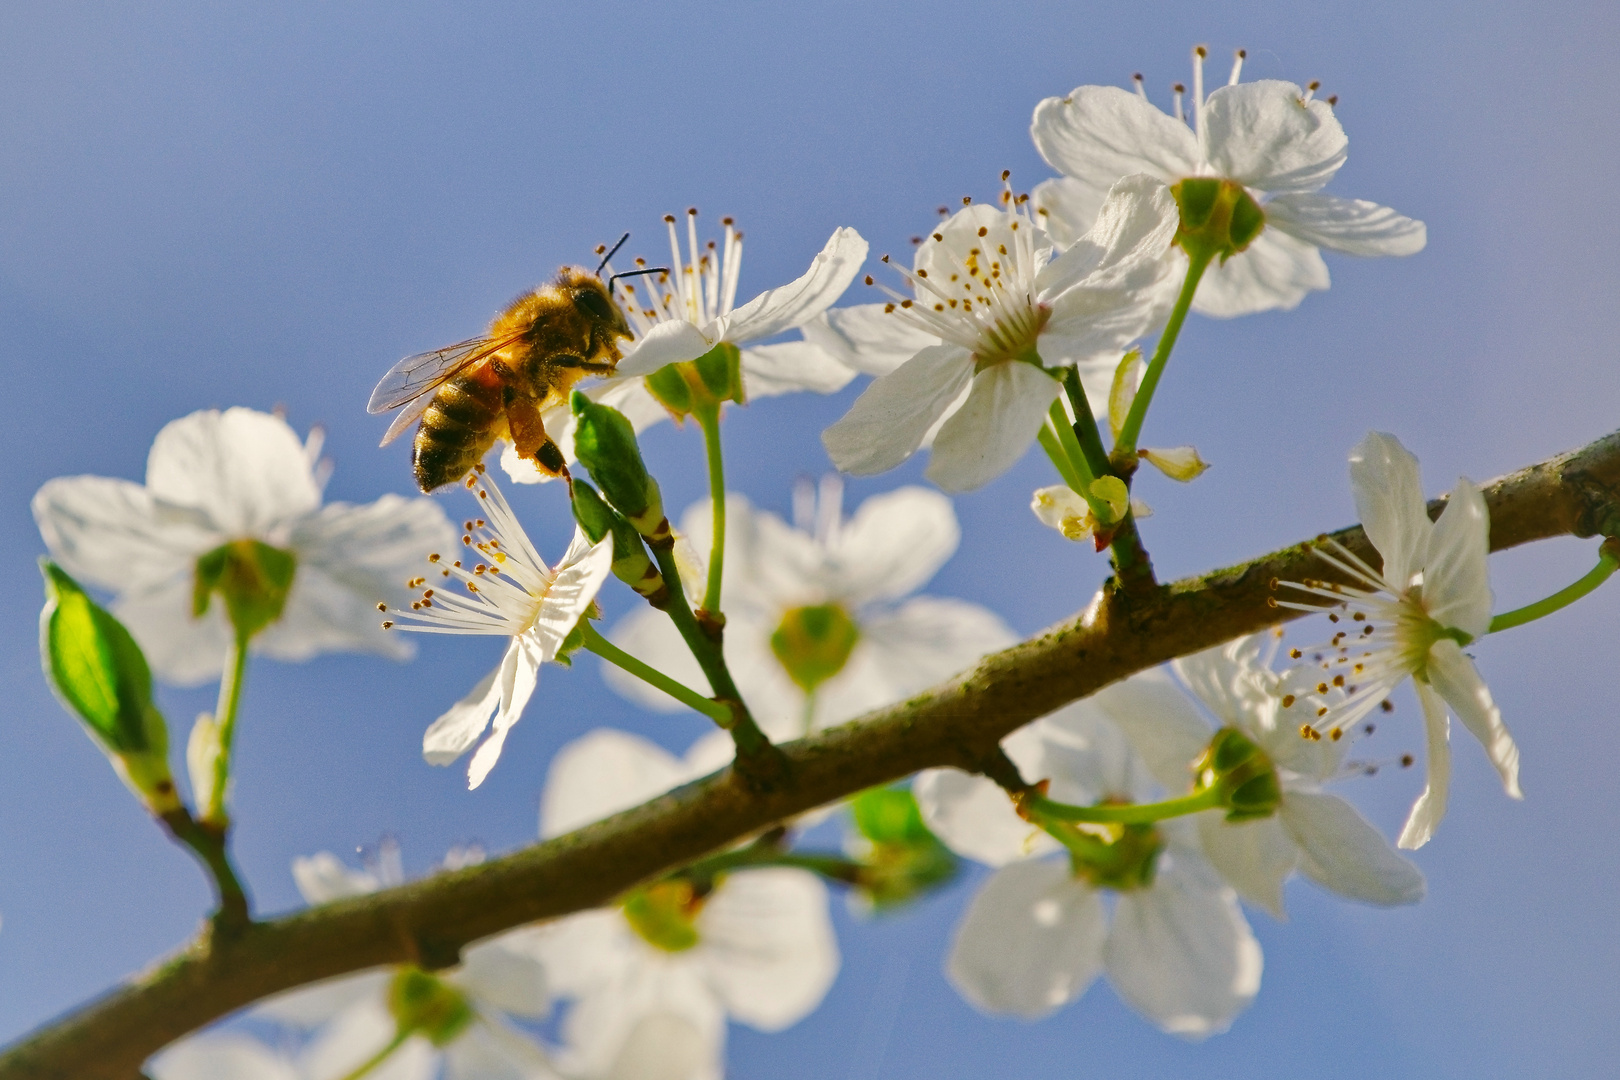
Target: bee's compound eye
[[593, 303]]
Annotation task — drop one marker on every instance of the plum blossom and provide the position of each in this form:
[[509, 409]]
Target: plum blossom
[[1317, 833], [1177, 948], [684, 315], [1412, 618], [468, 1027], [821, 625], [513, 594], [654, 979], [215, 479], [1279, 141], [976, 352]]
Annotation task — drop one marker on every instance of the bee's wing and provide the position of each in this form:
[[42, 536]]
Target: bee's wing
[[411, 381]]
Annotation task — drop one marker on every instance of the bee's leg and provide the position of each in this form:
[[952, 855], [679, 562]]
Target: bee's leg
[[530, 438], [590, 367]]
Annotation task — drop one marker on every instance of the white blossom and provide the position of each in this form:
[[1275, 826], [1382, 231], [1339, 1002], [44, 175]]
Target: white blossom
[[853, 577], [1412, 618], [511, 593], [760, 947], [1278, 140], [995, 314], [1177, 949], [687, 313], [214, 478]]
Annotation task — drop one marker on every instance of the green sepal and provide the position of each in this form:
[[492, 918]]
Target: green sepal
[[253, 578], [1218, 217], [664, 915], [903, 859], [426, 1005], [99, 673], [813, 643], [606, 445], [693, 385], [1241, 774], [1128, 860]]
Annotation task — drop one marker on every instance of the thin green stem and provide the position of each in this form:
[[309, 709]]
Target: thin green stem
[[1049, 442], [650, 675], [829, 865], [1127, 814], [706, 650], [1068, 448], [708, 418], [230, 700], [1085, 423], [1607, 564], [379, 1057], [1197, 262]]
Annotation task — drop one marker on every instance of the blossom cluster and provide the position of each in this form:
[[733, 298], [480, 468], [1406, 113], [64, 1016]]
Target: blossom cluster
[[1123, 834]]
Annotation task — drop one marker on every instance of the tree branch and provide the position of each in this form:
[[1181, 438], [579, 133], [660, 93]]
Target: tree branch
[[958, 723]]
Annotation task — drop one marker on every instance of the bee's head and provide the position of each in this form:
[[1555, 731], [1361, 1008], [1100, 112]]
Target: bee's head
[[592, 299]]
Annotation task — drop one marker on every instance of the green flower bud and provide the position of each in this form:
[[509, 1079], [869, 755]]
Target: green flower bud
[[631, 563], [704, 383], [426, 1005], [1242, 774], [99, 673], [901, 859], [665, 914], [253, 578], [606, 445], [1217, 216], [813, 643]]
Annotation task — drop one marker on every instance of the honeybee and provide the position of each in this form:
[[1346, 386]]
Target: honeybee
[[494, 387]]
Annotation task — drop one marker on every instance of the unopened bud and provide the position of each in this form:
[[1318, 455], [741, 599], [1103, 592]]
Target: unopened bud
[[1218, 216], [606, 445], [631, 563], [203, 754]]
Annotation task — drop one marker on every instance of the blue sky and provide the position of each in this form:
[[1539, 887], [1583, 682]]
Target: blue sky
[[211, 207]]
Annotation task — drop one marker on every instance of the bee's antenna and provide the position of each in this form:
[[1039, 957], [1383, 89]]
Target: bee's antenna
[[610, 255], [635, 273]]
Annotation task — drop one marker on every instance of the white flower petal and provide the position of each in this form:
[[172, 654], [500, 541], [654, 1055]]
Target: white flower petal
[[601, 773], [315, 1004], [1341, 851], [768, 945], [1353, 226], [1265, 135], [1430, 807], [323, 877], [985, 437], [517, 684], [454, 733], [1180, 463], [1031, 941], [1180, 952], [110, 533], [867, 338], [490, 1049], [1274, 273], [579, 576], [602, 1027], [180, 649], [795, 303], [1088, 758], [893, 544], [1389, 497], [924, 640], [327, 614], [889, 420], [1255, 857], [1456, 680], [500, 973], [1161, 723], [1456, 578], [976, 819], [350, 1040], [1131, 235], [1066, 208], [670, 342], [770, 370], [662, 1046], [225, 1056], [1100, 133], [245, 470]]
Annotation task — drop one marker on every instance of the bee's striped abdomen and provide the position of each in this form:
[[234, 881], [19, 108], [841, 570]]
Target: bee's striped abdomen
[[457, 429]]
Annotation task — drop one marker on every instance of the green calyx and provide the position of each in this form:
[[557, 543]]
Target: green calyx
[[665, 914], [253, 578], [607, 447], [1241, 775], [903, 859], [813, 643], [1123, 858], [99, 673], [1218, 217], [631, 563], [696, 385], [426, 1005]]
